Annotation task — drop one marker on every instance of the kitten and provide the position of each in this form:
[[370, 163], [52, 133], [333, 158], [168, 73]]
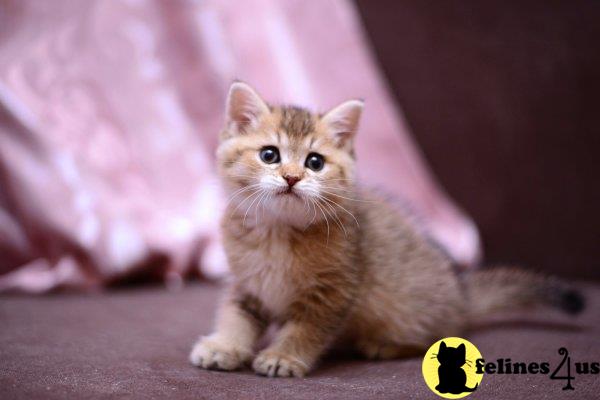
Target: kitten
[[452, 377], [327, 262]]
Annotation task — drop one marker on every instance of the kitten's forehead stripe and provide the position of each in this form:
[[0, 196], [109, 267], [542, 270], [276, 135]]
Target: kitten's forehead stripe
[[296, 122]]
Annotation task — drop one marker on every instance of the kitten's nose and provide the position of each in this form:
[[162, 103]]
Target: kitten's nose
[[291, 180]]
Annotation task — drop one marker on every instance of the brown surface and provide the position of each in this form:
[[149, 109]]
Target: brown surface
[[135, 343], [503, 99]]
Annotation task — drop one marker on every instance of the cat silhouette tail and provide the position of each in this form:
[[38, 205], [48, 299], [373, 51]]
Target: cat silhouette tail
[[468, 389], [509, 288]]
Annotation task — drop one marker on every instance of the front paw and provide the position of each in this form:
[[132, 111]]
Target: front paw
[[210, 353], [273, 364]]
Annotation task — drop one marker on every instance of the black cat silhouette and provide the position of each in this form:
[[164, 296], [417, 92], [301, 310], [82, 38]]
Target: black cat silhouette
[[452, 377]]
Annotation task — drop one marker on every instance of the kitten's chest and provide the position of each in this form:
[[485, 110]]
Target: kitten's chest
[[268, 269]]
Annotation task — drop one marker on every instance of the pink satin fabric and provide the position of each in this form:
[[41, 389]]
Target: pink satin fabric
[[109, 115]]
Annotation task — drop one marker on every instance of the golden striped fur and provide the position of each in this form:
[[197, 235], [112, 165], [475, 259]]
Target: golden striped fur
[[323, 260]]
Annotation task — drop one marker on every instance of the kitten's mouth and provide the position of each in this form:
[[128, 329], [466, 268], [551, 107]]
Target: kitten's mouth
[[289, 191]]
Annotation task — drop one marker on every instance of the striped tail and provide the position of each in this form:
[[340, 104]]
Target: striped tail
[[507, 288]]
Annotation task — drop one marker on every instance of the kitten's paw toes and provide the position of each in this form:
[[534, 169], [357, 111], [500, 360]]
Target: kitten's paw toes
[[210, 354], [273, 364]]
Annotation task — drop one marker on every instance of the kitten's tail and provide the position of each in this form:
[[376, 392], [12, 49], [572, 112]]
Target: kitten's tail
[[468, 389], [507, 288]]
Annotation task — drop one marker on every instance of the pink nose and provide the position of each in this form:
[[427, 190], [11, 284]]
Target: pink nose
[[291, 180]]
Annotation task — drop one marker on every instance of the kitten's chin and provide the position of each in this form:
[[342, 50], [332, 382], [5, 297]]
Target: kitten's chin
[[290, 208]]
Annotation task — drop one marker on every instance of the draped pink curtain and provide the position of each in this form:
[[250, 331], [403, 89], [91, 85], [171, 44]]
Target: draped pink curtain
[[109, 114]]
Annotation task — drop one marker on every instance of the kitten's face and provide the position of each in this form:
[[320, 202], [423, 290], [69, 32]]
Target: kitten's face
[[287, 162]]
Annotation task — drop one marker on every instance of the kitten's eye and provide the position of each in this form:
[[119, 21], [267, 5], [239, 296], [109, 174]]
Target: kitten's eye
[[315, 161], [269, 155]]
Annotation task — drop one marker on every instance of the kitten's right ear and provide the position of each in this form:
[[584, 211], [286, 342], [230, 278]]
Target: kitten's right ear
[[443, 346], [244, 108]]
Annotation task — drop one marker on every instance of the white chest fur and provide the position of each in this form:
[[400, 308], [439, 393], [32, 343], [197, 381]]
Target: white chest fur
[[268, 272]]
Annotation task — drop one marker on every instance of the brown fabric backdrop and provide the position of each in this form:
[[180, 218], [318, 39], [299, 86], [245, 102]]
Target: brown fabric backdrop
[[503, 99]]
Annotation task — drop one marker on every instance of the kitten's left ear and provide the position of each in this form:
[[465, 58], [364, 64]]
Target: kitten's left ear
[[342, 121], [462, 348]]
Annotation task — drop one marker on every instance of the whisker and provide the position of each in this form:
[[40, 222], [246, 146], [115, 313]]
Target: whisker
[[243, 201], [327, 209], [239, 193], [336, 219], [232, 196], [305, 203], [348, 212], [265, 200], [241, 175], [347, 198], [262, 197], [261, 191], [341, 189], [338, 179], [326, 221], [315, 211]]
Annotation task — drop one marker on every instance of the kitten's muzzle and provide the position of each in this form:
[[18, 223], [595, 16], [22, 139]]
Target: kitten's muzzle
[[291, 180]]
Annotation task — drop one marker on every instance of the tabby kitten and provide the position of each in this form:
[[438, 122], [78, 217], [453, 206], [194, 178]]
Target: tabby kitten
[[327, 262]]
